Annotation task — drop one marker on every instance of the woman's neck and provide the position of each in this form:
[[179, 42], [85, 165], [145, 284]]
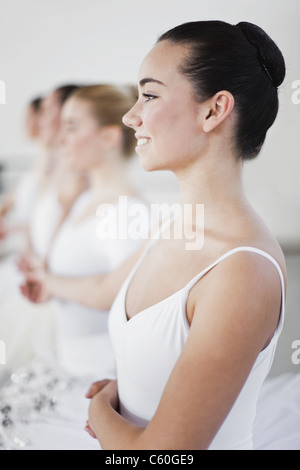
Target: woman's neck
[[216, 183], [108, 181]]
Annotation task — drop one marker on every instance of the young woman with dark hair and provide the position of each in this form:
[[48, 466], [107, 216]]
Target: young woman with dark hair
[[194, 332]]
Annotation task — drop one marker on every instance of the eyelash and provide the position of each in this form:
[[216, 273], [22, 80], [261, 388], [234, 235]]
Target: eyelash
[[149, 97]]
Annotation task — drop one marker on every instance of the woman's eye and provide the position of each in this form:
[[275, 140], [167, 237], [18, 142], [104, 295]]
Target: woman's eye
[[149, 97]]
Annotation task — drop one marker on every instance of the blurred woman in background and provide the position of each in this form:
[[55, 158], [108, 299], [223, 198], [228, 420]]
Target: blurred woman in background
[[56, 190], [41, 203], [94, 142], [32, 121], [42, 124], [16, 206]]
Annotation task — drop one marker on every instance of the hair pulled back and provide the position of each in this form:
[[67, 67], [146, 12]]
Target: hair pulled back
[[241, 59], [108, 105]]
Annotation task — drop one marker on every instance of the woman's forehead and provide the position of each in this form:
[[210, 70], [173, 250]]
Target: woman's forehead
[[162, 62]]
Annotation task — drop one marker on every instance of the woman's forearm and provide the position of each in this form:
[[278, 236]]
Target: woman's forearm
[[7, 204], [98, 291], [86, 291]]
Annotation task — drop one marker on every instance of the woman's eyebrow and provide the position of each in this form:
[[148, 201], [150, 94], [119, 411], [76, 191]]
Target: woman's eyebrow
[[150, 80]]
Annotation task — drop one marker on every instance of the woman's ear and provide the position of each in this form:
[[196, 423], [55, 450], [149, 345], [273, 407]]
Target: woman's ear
[[218, 109]]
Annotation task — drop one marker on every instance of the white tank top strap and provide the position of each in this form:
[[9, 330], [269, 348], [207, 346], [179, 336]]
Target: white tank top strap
[[193, 281]]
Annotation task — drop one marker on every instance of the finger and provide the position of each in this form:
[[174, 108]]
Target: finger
[[37, 293], [89, 430], [96, 387], [32, 292], [23, 290]]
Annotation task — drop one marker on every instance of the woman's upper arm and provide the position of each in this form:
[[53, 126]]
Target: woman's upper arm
[[235, 313]]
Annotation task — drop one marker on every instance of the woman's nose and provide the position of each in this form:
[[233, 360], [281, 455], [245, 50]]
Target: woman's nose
[[132, 118]]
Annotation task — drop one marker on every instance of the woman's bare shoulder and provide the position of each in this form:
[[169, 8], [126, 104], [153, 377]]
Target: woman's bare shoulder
[[245, 271]]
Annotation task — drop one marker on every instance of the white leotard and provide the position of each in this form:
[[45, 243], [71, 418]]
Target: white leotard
[[46, 214], [148, 346], [25, 197], [77, 251]]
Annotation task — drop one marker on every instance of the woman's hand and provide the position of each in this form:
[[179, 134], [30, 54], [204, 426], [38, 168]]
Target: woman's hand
[[36, 287], [4, 229], [104, 391], [29, 262], [96, 387]]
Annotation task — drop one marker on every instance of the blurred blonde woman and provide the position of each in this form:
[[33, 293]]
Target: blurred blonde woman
[[94, 142]]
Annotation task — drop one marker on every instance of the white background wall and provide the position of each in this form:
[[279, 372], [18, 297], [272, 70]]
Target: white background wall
[[44, 43]]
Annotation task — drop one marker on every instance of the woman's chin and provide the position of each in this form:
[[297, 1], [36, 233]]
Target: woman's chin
[[147, 166], [150, 165]]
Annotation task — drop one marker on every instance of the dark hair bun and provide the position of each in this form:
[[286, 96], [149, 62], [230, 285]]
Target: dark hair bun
[[269, 54], [241, 59]]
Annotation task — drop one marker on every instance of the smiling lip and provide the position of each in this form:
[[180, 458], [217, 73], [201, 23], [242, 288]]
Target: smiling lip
[[142, 141]]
